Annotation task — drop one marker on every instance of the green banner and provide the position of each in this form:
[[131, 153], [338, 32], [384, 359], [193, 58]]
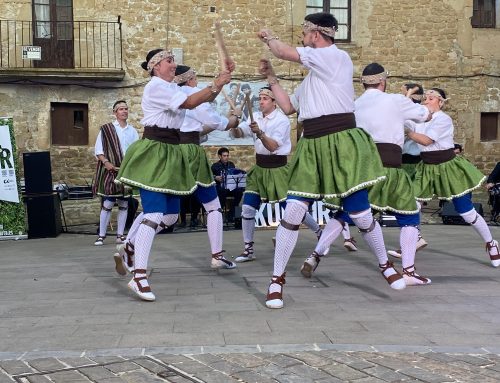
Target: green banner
[[12, 216]]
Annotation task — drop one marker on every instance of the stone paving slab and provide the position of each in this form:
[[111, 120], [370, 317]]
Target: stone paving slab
[[307, 366]]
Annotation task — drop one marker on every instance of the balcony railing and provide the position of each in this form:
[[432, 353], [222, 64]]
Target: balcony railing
[[88, 45]]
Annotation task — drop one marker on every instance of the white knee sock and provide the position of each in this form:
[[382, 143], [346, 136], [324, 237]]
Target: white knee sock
[[364, 220], [248, 225], [132, 233], [311, 223], [408, 237], [122, 216], [144, 240], [287, 239], [479, 225], [105, 217], [168, 220], [346, 231], [214, 225], [330, 232]]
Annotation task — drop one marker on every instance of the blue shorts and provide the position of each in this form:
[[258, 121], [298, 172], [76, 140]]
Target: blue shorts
[[463, 204], [206, 194], [408, 219], [113, 199], [357, 201], [154, 202]]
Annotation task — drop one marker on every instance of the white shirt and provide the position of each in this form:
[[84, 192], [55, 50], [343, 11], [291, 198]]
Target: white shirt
[[327, 88], [160, 104], [382, 115], [276, 126], [203, 115], [440, 129], [126, 136]]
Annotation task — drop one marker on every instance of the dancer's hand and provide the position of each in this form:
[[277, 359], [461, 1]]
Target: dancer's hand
[[266, 68]]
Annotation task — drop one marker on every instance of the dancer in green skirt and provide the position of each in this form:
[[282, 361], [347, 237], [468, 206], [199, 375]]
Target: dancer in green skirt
[[445, 175], [334, 158], [157, 164]]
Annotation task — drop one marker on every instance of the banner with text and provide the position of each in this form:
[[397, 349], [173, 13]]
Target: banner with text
[[12, 221], [270, 214]]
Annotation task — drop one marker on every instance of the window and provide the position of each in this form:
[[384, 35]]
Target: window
[[69, 124], [483, 14], [489, 126], [341, 9]]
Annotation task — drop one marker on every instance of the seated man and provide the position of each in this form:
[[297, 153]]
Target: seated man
[[220, 170]]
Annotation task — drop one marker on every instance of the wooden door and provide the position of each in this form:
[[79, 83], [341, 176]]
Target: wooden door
[[53, 32]]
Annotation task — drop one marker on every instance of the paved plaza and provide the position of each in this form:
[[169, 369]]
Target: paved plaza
[[66, 316]]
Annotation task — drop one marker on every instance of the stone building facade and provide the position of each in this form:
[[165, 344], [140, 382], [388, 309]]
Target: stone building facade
[[430, 42]]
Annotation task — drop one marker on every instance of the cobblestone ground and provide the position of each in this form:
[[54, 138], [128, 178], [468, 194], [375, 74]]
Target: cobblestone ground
[[303, 367]]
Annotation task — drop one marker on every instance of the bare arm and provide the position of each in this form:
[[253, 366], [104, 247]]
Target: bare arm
[[419, 138], [208, 94], [269, 143], [278, 48], [281, 96]]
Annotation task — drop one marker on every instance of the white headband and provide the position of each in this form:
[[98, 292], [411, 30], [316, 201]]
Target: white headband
[[157, 58], [309, 27], [184, 77], [373, 79], [267, 93], [119, 105]]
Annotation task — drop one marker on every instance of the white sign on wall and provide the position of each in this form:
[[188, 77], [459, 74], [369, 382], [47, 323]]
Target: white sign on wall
[[30, 52]]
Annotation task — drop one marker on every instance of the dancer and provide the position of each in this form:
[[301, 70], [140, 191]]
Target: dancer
[[267, 181], [444, 174], [112, 142], [382, 115], [334, 158], [411, 155], [157, 164], [198, 120]]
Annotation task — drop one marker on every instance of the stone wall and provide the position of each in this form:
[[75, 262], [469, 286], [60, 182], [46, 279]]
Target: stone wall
[[427, 41]]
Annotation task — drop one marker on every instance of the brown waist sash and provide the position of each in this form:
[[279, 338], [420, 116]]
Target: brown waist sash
[[437, 157], [270, 161], [411, 159], [390, 154], [189, 138], [165, 135], [331, 123]]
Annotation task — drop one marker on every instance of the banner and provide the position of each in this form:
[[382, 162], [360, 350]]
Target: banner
[[12, 221], [270, 214]]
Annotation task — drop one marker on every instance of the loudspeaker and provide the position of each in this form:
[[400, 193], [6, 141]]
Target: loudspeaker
[[388, 220], [44, 215], [37, 172], [450, 216]]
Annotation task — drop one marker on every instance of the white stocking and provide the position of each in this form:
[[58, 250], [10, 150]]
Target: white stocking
[[311, 223], [214, 225], [408, 237], [248, 225], [371, 233], [286, 239], [122, 216], [132, 233], [479, 224], [105, 217], [346, 231], [144, 240], [330, 232]]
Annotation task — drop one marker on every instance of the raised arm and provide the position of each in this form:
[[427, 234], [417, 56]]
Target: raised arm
[[282, 98]]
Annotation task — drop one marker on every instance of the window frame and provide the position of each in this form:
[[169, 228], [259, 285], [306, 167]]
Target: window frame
[[327, 8], [482, 18]]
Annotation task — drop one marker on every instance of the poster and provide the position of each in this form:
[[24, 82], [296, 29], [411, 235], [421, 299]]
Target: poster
[[12, 217], [234, 92]]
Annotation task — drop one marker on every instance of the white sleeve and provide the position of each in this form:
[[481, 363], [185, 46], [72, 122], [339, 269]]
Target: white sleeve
[[280, 131], [245, 128], [410, 110], [208, 117], [441, 126], [98, 145], [166, 98]]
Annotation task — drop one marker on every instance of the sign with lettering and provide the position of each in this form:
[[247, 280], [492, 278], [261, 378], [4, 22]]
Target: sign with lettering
[[30, 52], [270, 214], [12, 221]]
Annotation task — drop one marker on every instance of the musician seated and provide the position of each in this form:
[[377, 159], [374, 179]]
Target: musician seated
[[221, 170]]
